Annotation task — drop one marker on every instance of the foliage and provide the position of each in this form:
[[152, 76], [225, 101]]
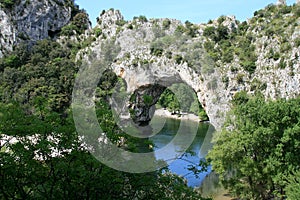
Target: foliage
[[78, 25], [168, 100], [216, 34], [8, 3], [181, 98], [261, 148], [98, 32], [35, 94], [191, 29], [29, 170], [293, 187], [178, 59], [121, 22], [166, 24], [46, 72], [156, 48], [147, 99], [141, 18]]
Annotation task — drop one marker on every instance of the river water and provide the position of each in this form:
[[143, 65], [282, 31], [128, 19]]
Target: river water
[[185, 165]]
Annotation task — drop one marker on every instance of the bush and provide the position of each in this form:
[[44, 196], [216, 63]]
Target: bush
[[121, 22], [141, 18], [130, 26], [11, 61], [227, 56], [81, 21], [98, 32], [202, 115], [7, 3], [221, 19], [178, 59], [166, 24], [225, 80], [156, 48], [297, 42], [282, 64], [180, 29], [240, 78], [209, 31], [69, 30], [243, 27], [147, 99], [249, 66]]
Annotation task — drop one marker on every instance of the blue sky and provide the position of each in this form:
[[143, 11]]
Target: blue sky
[[196, 11]]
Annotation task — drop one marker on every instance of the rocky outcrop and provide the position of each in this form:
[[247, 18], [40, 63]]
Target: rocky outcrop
[[163, 52], [153, 54], [31, 21], [281, 2]]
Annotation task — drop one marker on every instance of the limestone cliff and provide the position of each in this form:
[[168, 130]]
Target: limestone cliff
[[32, 20], [216, 59]]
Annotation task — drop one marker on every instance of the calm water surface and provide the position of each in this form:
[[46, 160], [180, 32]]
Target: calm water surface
[[167, 128]]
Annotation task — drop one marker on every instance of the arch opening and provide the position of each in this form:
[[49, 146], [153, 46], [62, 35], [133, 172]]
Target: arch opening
[[179, 99]]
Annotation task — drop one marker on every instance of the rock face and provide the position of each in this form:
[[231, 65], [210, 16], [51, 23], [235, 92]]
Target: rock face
[[281, 2], [142, 105], [32, 20], [157, 52], [151, 55]]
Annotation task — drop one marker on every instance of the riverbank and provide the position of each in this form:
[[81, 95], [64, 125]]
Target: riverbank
[[182, 116]]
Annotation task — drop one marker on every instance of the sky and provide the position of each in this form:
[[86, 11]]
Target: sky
[[196, 11]]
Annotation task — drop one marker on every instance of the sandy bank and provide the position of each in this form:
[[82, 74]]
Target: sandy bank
[[183, 116]]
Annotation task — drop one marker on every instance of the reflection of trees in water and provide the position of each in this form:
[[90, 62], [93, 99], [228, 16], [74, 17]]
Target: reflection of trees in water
[[210, 186]]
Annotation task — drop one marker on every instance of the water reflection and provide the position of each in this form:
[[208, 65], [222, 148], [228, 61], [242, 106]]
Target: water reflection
[[187, 164]]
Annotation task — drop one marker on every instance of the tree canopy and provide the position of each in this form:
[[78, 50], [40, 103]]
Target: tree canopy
[[258, 151]]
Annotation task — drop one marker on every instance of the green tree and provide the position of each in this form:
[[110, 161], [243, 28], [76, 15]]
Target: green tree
[[260, 149]]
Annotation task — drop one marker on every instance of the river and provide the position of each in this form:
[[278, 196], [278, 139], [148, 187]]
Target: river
[[187, 164]]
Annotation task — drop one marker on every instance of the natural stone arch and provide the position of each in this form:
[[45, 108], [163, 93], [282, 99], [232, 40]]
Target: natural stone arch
[[153, 79]]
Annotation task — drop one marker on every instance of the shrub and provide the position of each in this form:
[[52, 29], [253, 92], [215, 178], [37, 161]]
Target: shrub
[[169, 54], [81, 21], [180, 29], [7, 3], [121, 22], [98, 32], [249, 66], [202, 115], [166, 24], [282, 64], [240, 78], [227, 56], [156, 48], [221, 19], [178, 59], [243, 27], [276, 56], [69, 30], [141, 18], [286, 46], [297, 42], [225, 80], [209, 31], [147, 99], [130, 26]]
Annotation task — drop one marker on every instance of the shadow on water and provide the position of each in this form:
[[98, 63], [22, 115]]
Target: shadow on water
[[187, 165]]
